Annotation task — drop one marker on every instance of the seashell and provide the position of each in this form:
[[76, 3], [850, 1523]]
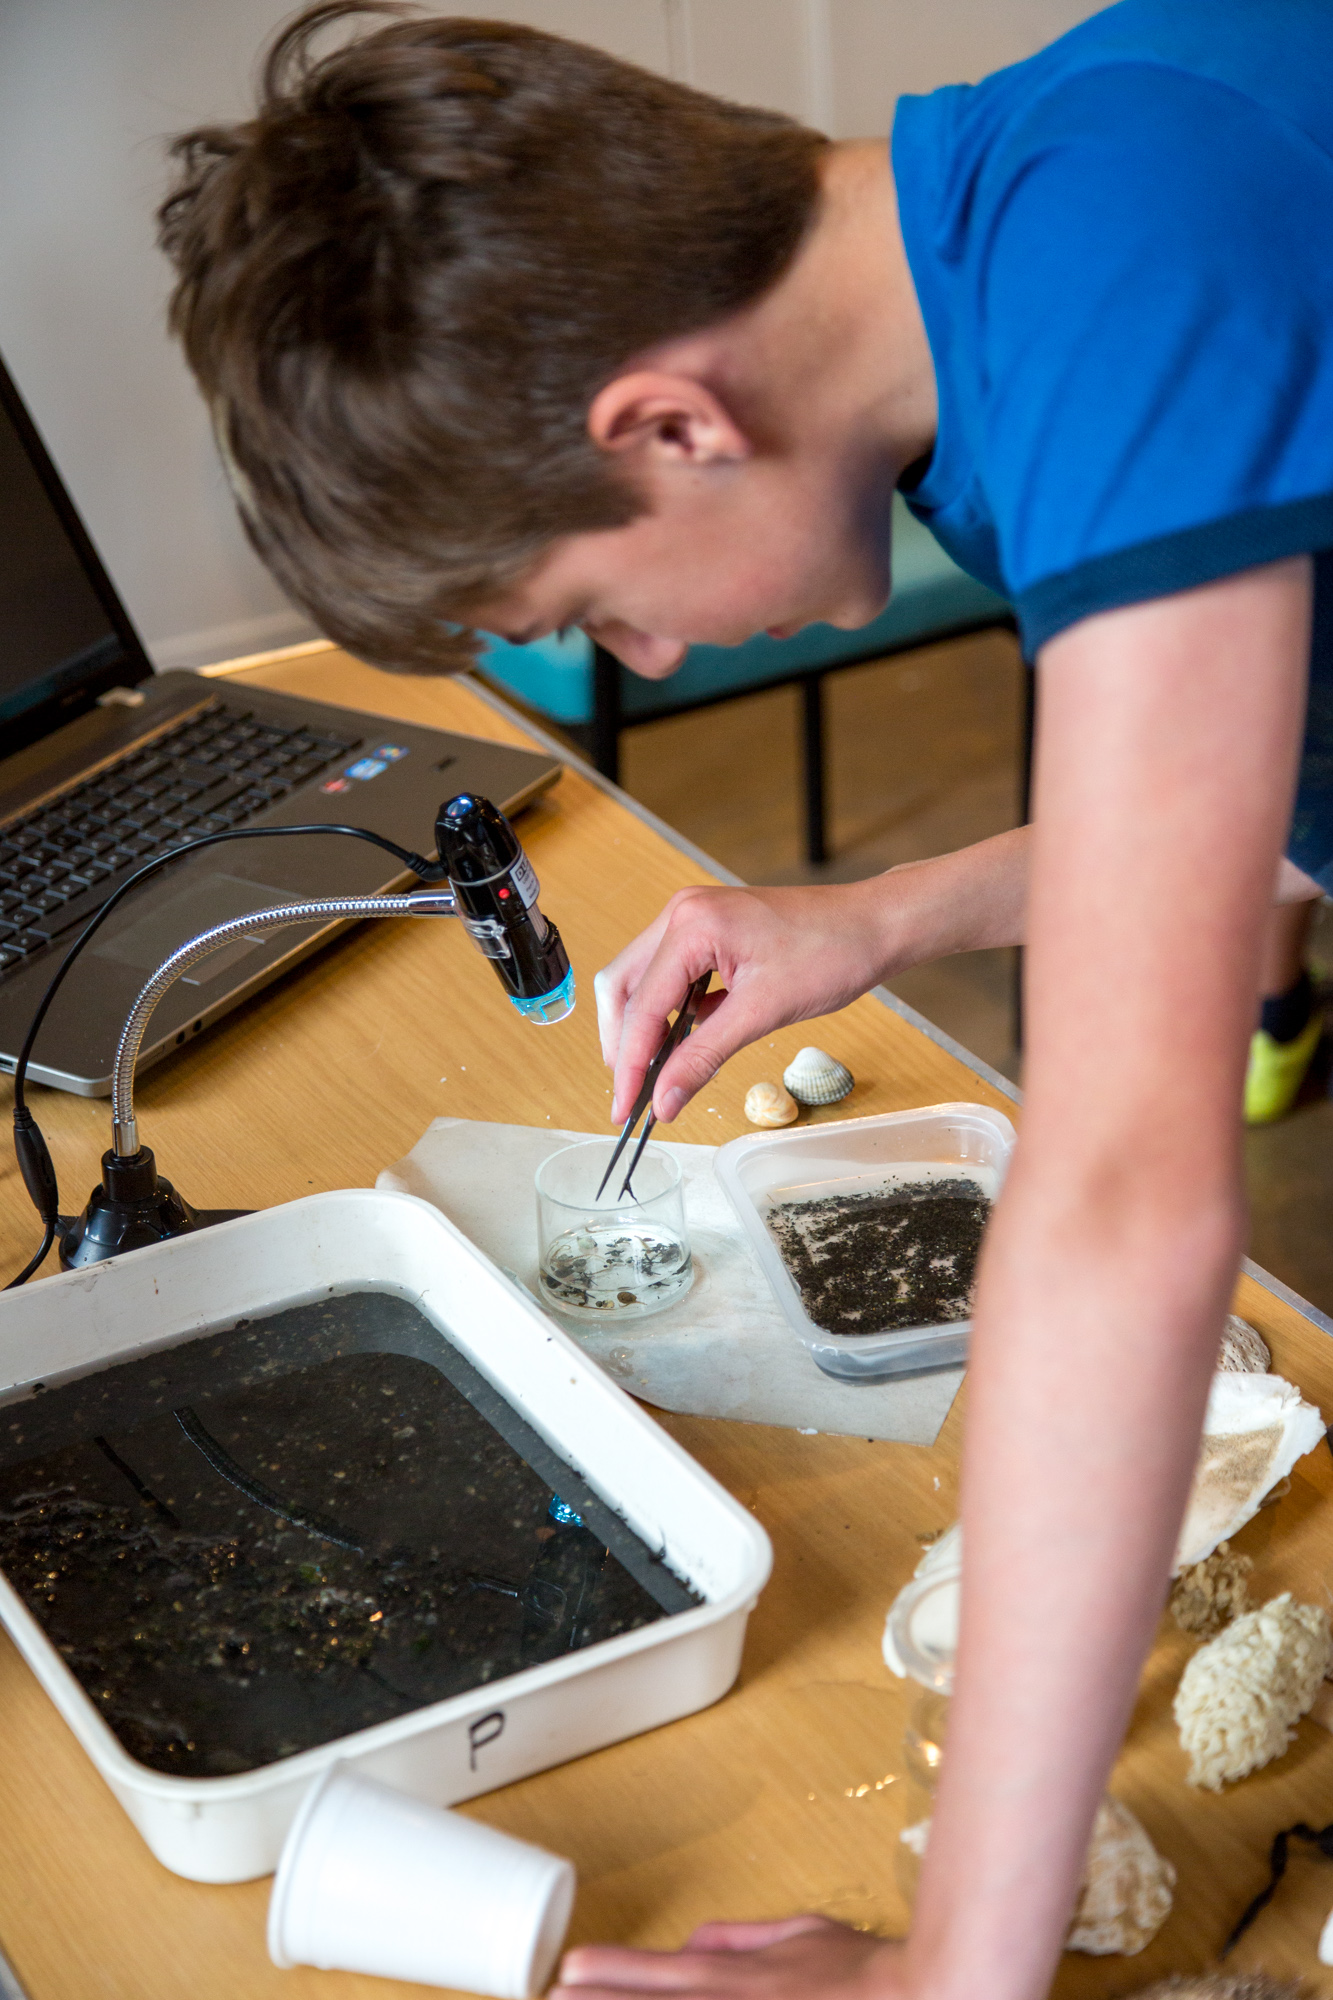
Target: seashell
[[815, 1077], [1243, 1350], [1256, 1428], [770, 1104], [1126, 1893]]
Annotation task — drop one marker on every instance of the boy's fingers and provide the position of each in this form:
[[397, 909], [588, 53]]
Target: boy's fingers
[[619, 979], [612, 988], [733, 1024], [617, 1968], [659, 993], [753, 1937], [617, 983], [726, 1961]]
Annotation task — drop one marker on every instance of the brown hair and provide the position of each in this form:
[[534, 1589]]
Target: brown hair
[[401, 284]]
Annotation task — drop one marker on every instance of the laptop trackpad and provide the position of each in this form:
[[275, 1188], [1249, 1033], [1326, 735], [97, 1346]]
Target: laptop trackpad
[[209, 900]]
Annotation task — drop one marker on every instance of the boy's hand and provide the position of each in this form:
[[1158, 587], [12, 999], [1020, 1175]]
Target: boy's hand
[[784, 955], [781, 955], [800, 1958]]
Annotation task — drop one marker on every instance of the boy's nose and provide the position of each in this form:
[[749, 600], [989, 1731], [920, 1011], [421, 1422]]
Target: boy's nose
[[641, 652]]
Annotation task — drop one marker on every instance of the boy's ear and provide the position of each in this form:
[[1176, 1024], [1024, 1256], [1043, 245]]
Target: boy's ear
[[666, 417]]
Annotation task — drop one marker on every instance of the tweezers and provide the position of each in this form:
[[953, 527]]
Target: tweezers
[[671, 1041]]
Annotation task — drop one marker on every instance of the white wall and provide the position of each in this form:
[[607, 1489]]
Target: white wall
[[88, 88]]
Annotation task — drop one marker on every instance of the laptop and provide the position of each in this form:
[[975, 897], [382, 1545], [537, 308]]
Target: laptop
[[104, 764]]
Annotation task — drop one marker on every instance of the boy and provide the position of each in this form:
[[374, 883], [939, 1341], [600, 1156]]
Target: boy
[[498, 333]]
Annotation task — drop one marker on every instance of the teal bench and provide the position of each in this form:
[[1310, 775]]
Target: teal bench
[[587, 691]]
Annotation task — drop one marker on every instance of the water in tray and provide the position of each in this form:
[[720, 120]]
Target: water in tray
[[266, 1538]]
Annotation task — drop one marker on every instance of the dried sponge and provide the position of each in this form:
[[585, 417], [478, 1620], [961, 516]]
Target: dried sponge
[[1240, 1695], [1208, 1595]]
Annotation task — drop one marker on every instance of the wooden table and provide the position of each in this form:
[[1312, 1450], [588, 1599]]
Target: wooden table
[[787, 1794]]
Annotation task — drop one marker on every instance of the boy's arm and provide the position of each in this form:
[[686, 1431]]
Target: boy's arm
[[1169, 742], [786, 955]]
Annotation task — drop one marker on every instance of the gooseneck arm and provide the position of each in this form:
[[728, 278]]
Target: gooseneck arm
[[419, 903]]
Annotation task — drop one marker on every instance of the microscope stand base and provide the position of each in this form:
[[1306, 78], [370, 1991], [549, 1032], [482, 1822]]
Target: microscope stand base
[[131, 1208]]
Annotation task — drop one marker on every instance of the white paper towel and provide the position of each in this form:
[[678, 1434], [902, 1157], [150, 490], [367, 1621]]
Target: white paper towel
[[724, 1350]]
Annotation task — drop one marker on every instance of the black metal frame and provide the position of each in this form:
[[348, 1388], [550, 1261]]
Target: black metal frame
[[601, 737]]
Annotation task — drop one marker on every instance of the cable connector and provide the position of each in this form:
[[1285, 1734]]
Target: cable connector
[[36, 1166], [429, 871]]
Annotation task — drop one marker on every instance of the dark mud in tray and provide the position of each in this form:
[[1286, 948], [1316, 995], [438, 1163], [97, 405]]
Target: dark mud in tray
[[261, 1540], [874, 1263]]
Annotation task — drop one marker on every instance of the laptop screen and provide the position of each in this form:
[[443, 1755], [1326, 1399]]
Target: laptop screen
[[58, 633]]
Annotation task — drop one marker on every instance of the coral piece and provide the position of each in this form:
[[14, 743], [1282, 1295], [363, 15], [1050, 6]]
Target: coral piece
[[815, 1077], [1241, 1694], [770, 1104], [1221, 1986], [1255, 1429], [1208, 1595], [1126, 1893], [1243, 1350]]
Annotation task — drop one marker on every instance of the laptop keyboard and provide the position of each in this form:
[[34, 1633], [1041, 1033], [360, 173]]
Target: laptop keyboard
[[217, 769]]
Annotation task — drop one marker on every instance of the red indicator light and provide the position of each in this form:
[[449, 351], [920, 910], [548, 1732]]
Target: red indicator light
[[503, 894]]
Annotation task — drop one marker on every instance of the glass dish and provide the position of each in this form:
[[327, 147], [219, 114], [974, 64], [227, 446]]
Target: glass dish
[[613, 1256]]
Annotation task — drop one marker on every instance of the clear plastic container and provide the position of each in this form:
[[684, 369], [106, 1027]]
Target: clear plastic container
[[611, 1255], [923, 1632], [863, 1156]]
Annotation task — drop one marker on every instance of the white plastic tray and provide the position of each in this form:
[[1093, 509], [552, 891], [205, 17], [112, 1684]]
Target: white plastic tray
[[229, 1829], [845, 1156]]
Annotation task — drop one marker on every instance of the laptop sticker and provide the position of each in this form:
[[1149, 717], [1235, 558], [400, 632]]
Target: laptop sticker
[[365, 768], [390, 752]]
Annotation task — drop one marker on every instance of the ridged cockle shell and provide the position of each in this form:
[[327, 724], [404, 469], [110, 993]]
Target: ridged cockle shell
[[815, 1077]]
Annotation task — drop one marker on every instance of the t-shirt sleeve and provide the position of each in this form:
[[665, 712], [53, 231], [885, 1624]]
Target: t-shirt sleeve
[[1154, 316]]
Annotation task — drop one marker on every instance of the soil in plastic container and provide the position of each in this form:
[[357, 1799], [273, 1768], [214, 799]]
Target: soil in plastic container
[[876, 1262]]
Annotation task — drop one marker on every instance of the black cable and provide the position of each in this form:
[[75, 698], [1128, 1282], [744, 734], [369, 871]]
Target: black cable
[[35, 1262], [429, 871], [34, 1158], [1321, 1837]]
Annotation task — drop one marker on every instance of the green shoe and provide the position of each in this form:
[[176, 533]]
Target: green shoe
[[1277, 1070]]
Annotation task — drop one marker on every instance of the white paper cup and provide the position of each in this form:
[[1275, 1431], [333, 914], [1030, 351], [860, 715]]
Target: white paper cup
[[373, 1881]]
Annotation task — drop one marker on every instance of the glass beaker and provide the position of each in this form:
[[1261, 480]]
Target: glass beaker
[[617, 1257], [924, 1628]]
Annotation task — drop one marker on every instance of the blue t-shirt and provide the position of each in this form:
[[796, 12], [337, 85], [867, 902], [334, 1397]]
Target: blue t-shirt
[[1123, 251]]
